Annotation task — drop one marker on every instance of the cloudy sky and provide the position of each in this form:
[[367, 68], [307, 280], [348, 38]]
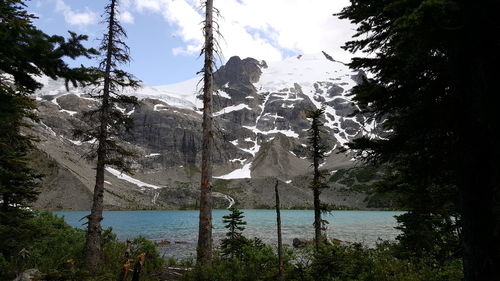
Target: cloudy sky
[[165, 35]]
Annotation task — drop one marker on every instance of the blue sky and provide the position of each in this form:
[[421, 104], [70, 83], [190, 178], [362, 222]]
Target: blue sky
[[165, 35]]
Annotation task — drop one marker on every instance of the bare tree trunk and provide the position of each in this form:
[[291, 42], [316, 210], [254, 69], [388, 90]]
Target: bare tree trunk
[[278, 223], [317, 216], [93, 239], [317, 211], [204, 250]]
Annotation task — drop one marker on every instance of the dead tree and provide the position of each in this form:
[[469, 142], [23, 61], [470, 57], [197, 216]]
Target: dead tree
[[204, 250], [278, 223]]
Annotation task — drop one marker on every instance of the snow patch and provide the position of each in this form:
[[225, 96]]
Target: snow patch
[[241, 173], [71, 113], [130, 179], [223, 94], [231, 109], [152, 155], [77, 142], [160, 107]]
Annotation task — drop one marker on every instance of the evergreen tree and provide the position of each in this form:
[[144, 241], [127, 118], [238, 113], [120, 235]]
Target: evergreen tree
[[317, 150], [25, 53], [111, 124], [204, 250], [435, 69], [231, 246]]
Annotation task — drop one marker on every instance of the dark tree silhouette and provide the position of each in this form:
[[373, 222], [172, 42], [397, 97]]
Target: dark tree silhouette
[[26, 53], [111, 124], [232, 245], [317, 150], [435, 71]]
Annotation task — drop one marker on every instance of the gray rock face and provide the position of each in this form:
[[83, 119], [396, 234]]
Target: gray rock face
[[277, 159], [260, 132], [238, 71]]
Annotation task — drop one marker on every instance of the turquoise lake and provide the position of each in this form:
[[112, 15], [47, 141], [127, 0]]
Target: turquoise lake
[[181, 227]]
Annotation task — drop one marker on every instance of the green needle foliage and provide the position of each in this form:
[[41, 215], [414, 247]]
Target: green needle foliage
[[232, 245], [111, 123], [25, 54], [435, 80], [317, 149]]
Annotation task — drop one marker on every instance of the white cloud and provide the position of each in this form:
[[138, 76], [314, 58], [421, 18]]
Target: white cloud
[[126, 17], [76, 18], [262, 29], [148, 5]]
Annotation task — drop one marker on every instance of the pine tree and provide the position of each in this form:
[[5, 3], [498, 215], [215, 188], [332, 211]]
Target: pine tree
[[111, 124], [25, 53], [435, 71], [231, 246], [317, 150], [204, 250]]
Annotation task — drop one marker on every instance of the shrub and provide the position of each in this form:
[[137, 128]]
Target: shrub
[[57, 251]]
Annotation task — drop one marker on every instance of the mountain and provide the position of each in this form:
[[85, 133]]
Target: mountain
[[261, 135]]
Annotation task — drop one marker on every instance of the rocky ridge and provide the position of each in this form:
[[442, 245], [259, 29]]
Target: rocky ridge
[[259, 111]]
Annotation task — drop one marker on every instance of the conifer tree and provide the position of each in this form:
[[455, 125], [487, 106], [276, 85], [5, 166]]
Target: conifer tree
[[435, 71], [231, 246], [204, 250], [25, 53], [111, 124], [317, 151]]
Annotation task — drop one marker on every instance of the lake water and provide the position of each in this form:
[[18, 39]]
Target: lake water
[[181, 227]]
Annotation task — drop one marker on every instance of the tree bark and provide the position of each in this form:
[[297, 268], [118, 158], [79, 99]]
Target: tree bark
[[93, 238], [278, 224], [204, 250], [475, 68], [317, 216]]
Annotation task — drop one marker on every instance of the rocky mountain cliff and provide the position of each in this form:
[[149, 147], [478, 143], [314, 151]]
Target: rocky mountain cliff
[[261, 135]]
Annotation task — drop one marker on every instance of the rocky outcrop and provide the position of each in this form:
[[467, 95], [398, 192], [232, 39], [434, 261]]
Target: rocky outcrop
[[260, 136]]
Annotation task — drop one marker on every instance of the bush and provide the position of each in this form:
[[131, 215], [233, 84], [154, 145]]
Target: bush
[[57, 251], [257, 262], [358, 263]]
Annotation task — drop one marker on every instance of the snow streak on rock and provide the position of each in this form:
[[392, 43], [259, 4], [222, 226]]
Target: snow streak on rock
[[130, 179]]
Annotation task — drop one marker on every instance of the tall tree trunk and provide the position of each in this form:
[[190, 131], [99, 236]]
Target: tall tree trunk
[[278, 224], [93, 239], [475, 68], [317, 150], [317, 217], [315, 186], [204, 250]]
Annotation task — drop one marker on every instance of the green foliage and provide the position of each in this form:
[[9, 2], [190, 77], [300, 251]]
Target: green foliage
[[57, 251], [232, 245], [330, 263], [426, 58], [25, 53], [356, 262], [256, 262], [109, 83], [317, 146]]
